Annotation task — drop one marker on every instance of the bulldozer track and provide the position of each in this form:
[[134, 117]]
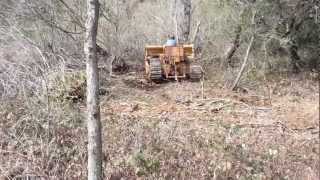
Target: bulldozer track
[[195, 72], [155, 69]]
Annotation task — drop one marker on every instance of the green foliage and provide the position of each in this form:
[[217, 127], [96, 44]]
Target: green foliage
[[146, 165], [68, 85]]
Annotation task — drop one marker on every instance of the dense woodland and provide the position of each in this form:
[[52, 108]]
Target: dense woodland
[[266, 126]]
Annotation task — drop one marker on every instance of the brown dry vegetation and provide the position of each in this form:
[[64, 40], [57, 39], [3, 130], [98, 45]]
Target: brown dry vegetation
[[167, 131]]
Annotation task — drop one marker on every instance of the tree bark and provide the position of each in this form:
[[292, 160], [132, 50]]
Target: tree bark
[[244, 64], [231, 50], [295, 58], [93, 106], [183, 15]]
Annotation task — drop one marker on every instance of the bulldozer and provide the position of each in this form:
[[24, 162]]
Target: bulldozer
[[171, 62]]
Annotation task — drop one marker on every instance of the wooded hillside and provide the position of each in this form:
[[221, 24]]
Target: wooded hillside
[[254, 114]]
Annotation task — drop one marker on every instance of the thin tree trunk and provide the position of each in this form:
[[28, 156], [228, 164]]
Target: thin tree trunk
[[295, 58], [183, 14], [233, 47], [244, 64], [196, 32], [176, 21], [93, 106]]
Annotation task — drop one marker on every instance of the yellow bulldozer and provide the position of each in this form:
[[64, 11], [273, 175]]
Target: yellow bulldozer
[[171, 62]]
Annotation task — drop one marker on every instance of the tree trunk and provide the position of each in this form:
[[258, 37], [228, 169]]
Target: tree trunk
[[295, 58], [183, 18], [93, 107], [244, 64], [231, 50]]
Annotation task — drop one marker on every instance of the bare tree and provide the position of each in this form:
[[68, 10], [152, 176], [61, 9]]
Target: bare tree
[[93, 106]]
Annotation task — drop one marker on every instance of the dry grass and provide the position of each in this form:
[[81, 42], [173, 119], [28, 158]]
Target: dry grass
[[226, 135], [167, 131]]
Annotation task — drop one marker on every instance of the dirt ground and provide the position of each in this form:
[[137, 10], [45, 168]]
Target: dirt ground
[[189, 130]]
